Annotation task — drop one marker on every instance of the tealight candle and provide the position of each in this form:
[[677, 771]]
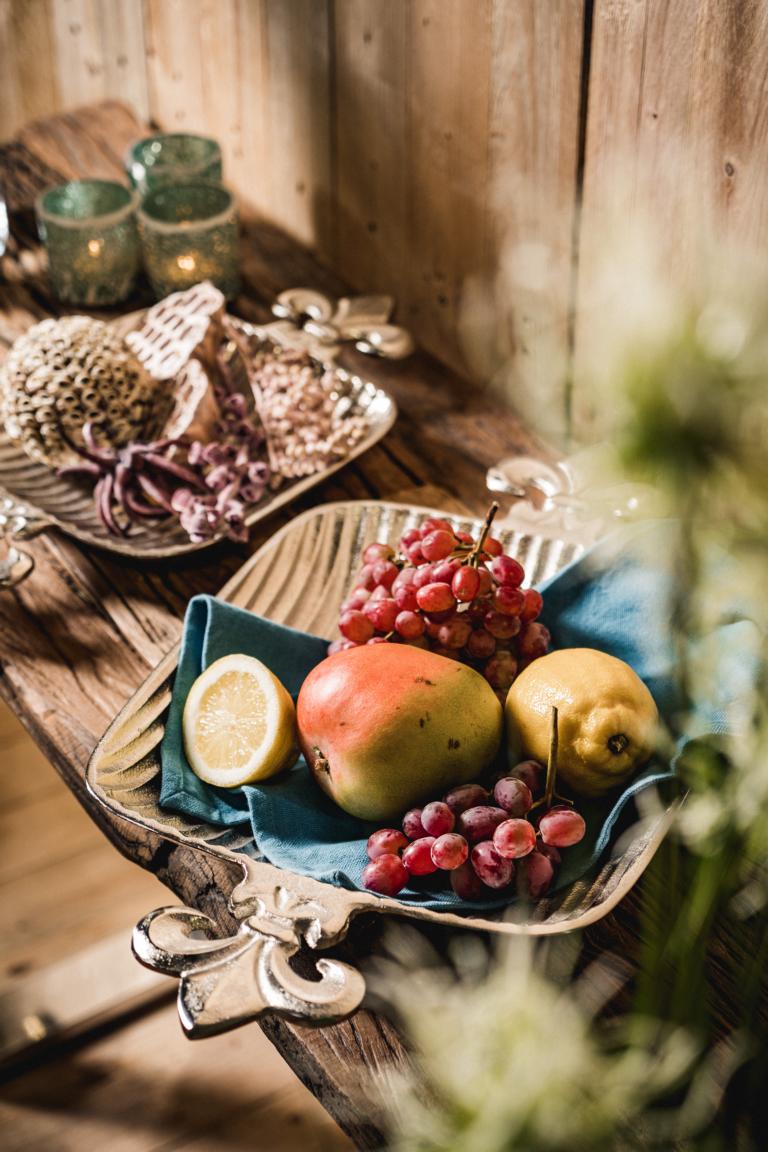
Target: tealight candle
[[188, 234], [89, 230], [172, 158]]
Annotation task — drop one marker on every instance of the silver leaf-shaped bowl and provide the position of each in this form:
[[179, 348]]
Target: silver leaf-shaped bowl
[[33, 498], [298, 578]]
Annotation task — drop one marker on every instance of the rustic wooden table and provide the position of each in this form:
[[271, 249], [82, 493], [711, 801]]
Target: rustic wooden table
[[79, 636]]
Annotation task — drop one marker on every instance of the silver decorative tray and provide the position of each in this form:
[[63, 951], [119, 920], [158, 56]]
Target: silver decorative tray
[[226, 982], [33, 498]]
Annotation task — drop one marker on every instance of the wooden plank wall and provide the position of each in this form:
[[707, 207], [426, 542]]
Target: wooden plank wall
[[435, 148], [677, 140]]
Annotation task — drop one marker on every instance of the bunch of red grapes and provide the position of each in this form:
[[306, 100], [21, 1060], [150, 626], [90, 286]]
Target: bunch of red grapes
[[480, 837], [451, 594]]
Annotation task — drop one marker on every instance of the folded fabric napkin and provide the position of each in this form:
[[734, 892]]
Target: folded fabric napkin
[[613, 599]]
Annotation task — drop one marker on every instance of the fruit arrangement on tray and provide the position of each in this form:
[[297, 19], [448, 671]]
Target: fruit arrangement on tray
[[440, 715]]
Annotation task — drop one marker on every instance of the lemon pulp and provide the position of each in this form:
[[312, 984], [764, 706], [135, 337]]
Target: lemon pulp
[[238, 723]]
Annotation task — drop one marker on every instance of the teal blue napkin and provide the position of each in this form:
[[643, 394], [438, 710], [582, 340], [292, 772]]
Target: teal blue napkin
[[613, 599]]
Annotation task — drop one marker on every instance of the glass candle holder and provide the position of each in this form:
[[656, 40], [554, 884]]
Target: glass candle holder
[[188, 234], [89, 230], [172, 158]]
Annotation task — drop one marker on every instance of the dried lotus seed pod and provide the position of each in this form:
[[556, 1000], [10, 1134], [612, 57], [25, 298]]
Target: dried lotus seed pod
[[64, 373]]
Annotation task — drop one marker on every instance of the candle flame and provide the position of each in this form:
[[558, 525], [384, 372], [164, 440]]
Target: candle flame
[[95, 247], [186, 263]]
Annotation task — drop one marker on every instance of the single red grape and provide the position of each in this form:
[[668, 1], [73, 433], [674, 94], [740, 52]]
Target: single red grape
[[415, 554], [435, 598], [530, 772], [533, 604], [509, 601], [514, 838], [534, 641], [444, 571], [405, 597], [486, 582], [455, 633], [466, 883], [410, 536], [511, 794], [354, 625], [493, 546], [381, 613], [500, 671], [438, 544], [550, 852], [434, 524], [386, 875], [508, 571], [465, 796], [404, 577], [374, 552], [465, 537], [340, 646], [465, 584], [412, 825], [491, 868], [386, 840], [356, 599], [437, 818], [379, 593], [385, 572], [417, 857], [536, 874], [450, 851], [409, 625], [480, 822], [481, 645], [365, 577], [562, 827], [501, 626], [422, 576]]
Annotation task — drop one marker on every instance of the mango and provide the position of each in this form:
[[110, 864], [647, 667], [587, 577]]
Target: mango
[[386, 726]]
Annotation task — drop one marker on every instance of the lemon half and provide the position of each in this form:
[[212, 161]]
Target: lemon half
[[239, 723]]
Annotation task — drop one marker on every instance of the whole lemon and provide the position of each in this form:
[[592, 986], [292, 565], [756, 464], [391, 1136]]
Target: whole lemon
[[607, 718]]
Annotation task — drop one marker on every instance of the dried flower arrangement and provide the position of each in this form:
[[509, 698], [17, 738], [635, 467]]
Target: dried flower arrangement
[[185, 418]]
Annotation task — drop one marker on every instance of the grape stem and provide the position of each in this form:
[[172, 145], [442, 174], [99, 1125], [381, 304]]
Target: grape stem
[[549, 788], [473, 557]]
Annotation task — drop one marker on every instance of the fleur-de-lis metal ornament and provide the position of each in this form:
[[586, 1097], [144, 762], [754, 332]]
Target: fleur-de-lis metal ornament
[[322, 324], [228, 981]]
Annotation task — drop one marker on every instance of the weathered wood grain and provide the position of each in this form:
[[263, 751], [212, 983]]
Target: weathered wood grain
[[254, 74], [78, 638], [29, 84], [457, 129], [677, 143]]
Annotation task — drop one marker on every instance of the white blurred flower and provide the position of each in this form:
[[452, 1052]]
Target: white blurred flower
[[515, 1061]]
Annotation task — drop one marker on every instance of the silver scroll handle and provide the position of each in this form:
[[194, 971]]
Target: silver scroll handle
[[225, 982]]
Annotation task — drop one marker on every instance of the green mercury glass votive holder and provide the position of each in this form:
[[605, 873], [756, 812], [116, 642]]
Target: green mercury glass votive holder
[[172, 158], [189, 233], [89, 230]]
